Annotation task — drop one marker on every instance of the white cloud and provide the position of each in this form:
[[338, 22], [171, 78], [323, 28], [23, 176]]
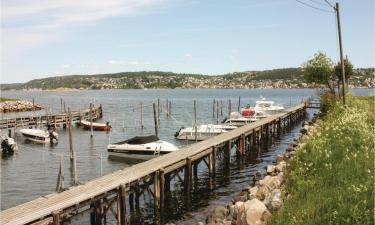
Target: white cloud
[[29, 23], [188, 55]]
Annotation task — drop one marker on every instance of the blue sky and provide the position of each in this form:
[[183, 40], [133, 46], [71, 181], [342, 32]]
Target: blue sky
[[42, 38]]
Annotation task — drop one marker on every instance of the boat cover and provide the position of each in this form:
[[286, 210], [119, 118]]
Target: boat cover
[[137, 140]]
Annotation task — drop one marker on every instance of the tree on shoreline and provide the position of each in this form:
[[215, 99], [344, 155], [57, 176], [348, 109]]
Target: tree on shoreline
[[320, 70]]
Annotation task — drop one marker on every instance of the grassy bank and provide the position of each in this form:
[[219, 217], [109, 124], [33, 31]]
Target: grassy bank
[[331, 179], [7, 99]]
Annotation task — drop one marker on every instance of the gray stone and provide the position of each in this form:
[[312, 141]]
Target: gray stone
[[218, 213], [254, 213]]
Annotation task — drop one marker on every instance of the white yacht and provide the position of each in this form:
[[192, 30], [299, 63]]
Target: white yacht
[[202, 131], [268, 107], [236, 119], [141, 147], [40, 136]]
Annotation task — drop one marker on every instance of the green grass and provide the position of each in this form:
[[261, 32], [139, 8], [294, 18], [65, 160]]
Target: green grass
[[331, 179], [7, 99]]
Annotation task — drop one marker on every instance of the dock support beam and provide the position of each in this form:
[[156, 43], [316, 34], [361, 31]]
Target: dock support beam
[[228, 151], [122, 204], [188, 177]]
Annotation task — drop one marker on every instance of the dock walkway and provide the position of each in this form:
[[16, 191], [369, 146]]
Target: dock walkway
[[98, 195]]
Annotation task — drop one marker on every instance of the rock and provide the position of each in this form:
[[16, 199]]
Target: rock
[[239, 208], [281, 167], [295, 144], [218, 213], [271, 182], [305, 129], [263, 192], [290, 148], [257, 176], [276, 201], [304, 123], [271, 169], [199, 223], [281, 177], [255, 212], [279, 158], [252, 192], [240, 198]]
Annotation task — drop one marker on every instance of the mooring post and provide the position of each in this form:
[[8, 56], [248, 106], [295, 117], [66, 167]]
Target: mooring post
[[167, 107], [155, 120], [242, 145], [122, 201], [61, 104], [91, 128], [213, 108], [217, 112], [212, 162], [170, 108], [239, 103], [72, 153], [195, 121], [142, 122], [60, 178], [229, 107], [221, 107], [159, 110]]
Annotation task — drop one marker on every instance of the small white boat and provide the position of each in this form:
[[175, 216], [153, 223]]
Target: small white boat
[[236, 119], [141, 147], [40, 136], [203, 131], [268, 107], [96, 126]]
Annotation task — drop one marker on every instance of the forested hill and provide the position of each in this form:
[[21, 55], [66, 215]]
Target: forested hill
[[277, 78]]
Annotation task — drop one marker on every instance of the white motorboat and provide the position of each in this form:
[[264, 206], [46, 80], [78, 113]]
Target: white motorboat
[[236, 119], [202, 131], [268, 107], [40, 136], [141, 147]]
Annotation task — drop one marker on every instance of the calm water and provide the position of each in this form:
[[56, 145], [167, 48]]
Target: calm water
[[33, 171]]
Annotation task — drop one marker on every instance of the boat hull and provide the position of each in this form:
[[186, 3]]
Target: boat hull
[[99, 128], [133, 154]]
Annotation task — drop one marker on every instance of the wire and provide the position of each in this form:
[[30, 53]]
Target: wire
[[329, 4], [318, 2], [314, 7]]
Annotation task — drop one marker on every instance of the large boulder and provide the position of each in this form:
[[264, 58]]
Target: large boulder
[[263, 192], [252, 192], [239, 209], [276, 201], [255, 212], [280, 167], [271, 182], [271, 169], [217, 214]]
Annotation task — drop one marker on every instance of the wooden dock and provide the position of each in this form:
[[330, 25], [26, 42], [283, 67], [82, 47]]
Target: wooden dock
[[58, 120], [109, 193]]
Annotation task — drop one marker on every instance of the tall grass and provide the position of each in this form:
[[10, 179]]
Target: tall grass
[[331, 178]]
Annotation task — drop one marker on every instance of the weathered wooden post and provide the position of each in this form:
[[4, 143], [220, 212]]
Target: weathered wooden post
[[221, 107], [60, 177], [91, 128], [61, 105], [239, 103], [229, 107], [228, 151], [188, 177], [157, 197], [217, 112], [72, 153], [56, 218], [167, 107], [213, 108], [158, 111], [212, 162], [142, 122], [155, 120], [170, 108], [242, 145], [195, 121], [122, 204]]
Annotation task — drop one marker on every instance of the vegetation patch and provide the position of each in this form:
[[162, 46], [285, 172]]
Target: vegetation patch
[[331, 178], [7, 99]]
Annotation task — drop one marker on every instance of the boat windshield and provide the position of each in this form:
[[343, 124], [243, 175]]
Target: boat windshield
[[140, 140]]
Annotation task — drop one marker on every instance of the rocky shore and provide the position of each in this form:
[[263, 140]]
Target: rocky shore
[[256, 203], [18, 106]]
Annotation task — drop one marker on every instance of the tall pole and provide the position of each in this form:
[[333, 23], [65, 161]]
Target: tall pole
[[195, 120], [341, 52], [91, 128], [155, 120]]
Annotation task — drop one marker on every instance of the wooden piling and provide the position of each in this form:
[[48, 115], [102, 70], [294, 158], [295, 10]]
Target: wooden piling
[[142, 122], [162, 195], [91, 128], [60, 177], [157, 193], [239, 103], [188, 177], [228, 150], [158, 111], [155, 121], [213, 108], [61, 105], [170, 108], [72, 153], [56, 218], [122, 204], [229, 107], [221, 107], [217, 112]]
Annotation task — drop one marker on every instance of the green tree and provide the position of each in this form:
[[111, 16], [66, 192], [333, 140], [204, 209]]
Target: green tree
[[320, 70], [348, 72]]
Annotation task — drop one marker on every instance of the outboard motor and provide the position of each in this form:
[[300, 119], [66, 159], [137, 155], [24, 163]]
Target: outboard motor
[[178, 132], [52, 134], [8, 146]]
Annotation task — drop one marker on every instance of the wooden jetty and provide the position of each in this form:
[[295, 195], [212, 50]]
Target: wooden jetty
[[109, 193], [58, 120]]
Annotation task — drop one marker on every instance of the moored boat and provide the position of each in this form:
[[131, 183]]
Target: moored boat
[[96, 126], [141, 147], [268, 107], [202, 132], [8, 145], [40, 136]]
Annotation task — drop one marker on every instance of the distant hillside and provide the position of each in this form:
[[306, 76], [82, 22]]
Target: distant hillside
[[277, 78]]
